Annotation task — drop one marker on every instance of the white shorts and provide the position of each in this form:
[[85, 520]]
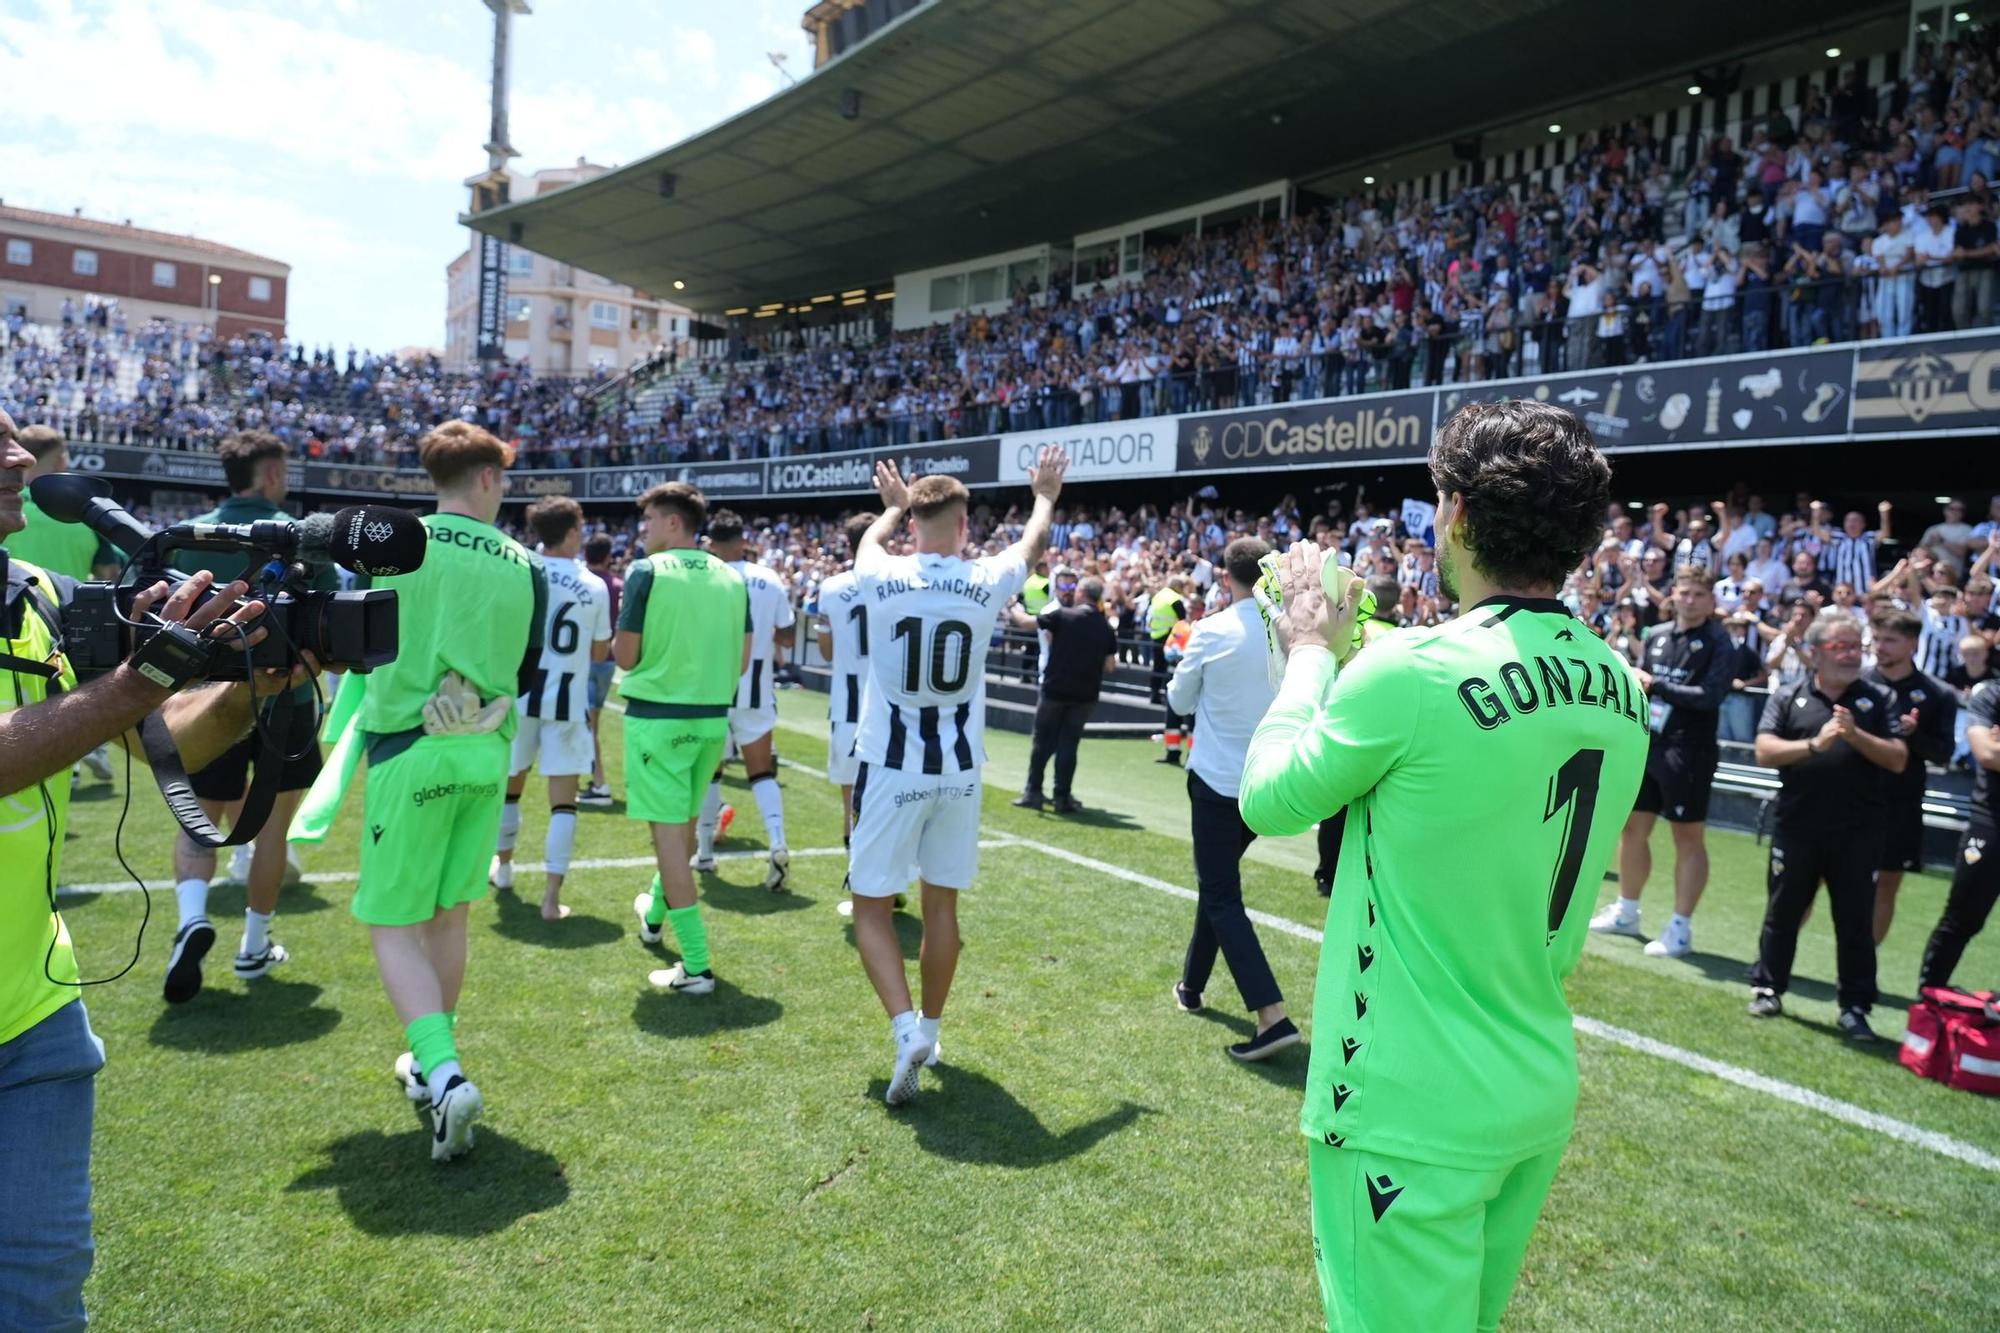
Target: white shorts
[[747, 725], [841, 763], [909, 826], [564, 748]]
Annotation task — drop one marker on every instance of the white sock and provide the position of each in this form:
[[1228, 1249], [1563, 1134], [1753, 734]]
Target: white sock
[[1628, 907], [904, 1024], [561, 842], [440, 1078], [771, 805], [1683, 922], [192, 894], [510, 823], [256, 931], [711, 817], [927, 1028]]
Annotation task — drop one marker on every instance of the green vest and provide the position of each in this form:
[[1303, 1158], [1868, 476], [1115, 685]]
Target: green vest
[[1035, 594], [1161, 617], [29, 830], [474, 606], [60, 548], [691, 611]]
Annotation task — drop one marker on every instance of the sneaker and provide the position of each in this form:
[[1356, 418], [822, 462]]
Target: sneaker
[[597, 793], [501, 875], [681, 981], [648, 934], [723, 822], [1676, 941], [1768, 1004], [1613, 919], [911, 1053], [781, 868], [1028, 801], [251, 966], [239, 864], [191, 944], [1267, 1043], [1323, 887], [1854, 1024], [1067, 805], [937, 1054], [99, 764], [1170, 757], [412, 1079], [1185, 1000], [452, 1114]]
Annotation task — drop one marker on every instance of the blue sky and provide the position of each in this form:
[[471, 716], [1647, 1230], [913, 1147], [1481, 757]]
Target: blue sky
[[335, 136]]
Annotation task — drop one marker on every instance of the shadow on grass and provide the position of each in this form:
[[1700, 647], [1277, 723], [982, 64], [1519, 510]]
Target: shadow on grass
[[266, 1014], [969, 1118], [518, 919], [92, 793], [226, 899], [1885, 1047], [387, 1187], [749, 899], [1287, 1067], [728, 1009], [1089, 817], [1718, 967], [909, 934]]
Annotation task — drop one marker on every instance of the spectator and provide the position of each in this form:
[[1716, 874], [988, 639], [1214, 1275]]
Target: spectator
[[1936, 248]]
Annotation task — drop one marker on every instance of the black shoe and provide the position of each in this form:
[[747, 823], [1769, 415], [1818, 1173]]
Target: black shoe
[[1854, 1025], [1185, 1000], [1324, 886], [1067, 806], [1269, 1042], [191, 944], [1768, 1004], [1170, 757], [1028, 801]]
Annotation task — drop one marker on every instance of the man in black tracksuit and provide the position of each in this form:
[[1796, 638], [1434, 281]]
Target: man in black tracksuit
[[1925, 709], [1975, 882], [1833, 735], [1082, 648], [1687, 672]]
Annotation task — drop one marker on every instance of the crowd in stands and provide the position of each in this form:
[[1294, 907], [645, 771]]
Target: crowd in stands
[[1870, 214]]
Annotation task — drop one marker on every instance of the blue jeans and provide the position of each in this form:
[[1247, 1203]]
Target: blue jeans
[[1738, 721], [48, 1093]]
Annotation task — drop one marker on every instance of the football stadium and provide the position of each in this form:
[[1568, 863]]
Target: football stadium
[[1033, 683]]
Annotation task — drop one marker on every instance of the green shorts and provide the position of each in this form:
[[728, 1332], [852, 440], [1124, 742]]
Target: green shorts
[[669, 762], [430, 818], [1409, 1245]]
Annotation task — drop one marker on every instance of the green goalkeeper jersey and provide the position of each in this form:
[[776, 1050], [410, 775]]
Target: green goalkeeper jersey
[[475, 606], [1487, 766]]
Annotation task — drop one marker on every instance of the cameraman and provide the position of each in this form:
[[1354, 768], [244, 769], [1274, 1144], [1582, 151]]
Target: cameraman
[[49, 1057], [254, 463]]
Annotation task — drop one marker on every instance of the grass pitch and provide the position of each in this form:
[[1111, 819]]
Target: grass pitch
[[1087, 1158]]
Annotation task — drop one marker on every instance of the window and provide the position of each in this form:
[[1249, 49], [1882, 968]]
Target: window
[[603, 315], [984, 284], [260, 289], [518, 309], [20, 252], [84, 263], [520, 263], [947, 293], [163, 273]]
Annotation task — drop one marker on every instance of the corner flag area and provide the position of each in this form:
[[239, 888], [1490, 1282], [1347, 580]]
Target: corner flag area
[[1085, 1156]]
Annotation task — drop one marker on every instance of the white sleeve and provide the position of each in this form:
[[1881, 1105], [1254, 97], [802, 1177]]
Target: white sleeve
[[786, 616], [1184, 686], [1006, 572], [600, 627]]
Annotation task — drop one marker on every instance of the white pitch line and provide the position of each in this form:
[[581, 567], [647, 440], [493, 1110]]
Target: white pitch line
[[1887, 1126]]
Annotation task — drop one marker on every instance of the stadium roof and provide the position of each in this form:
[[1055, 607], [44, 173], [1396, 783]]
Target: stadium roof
[[983, 127], [127, 232]]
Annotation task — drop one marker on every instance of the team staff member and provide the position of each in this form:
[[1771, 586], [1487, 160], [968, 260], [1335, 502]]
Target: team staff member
[[1388, 595], [682, 659], [1224, 682], [1082, 649], [439, 722], [1975, 881], [1443, 1084], [1689, 667], [1833, 735], [1927, 711], [1168, 608], [49, 1057], [254, 463]]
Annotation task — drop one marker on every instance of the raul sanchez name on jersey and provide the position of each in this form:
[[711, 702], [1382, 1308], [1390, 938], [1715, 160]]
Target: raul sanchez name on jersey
[[978, 592], [1552, 682]]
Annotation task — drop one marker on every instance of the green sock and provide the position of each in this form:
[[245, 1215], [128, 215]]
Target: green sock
[[452, 1014], [656, 911], [693, 937], [430, 1040]]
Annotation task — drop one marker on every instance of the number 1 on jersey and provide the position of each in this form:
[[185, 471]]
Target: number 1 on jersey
[[1573, 790]]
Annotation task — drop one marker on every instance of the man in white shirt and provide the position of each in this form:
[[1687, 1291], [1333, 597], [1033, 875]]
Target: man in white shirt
[[1224, 680], [554, 712], [920, 742], [755, 714], [1896, 277], [1935, 243]]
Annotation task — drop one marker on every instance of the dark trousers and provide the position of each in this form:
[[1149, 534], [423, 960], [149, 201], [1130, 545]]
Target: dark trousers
[[1220, 839], [1058, 729], [1159, 681], [1329, 846], [1800, 860], [1975, 885]]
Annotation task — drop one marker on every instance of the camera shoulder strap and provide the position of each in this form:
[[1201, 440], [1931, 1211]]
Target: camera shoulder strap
[[266, 770]]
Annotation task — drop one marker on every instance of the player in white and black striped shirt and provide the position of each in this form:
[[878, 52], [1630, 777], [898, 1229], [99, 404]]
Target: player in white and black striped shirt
[[1848, 556], [1937, 646]]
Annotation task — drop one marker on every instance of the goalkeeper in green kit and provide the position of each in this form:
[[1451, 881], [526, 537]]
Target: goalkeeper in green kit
[[436, 724], [1487, 766]]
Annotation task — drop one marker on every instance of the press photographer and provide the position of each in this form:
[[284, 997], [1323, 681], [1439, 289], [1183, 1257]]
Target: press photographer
[[49, 1057]]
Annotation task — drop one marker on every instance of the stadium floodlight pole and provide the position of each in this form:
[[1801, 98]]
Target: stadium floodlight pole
[[490, 191], [498, 149]]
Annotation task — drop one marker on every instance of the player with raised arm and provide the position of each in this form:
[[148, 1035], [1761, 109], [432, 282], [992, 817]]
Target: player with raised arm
[[554, 709], [1491, 762], [916, 794], [755, 713]]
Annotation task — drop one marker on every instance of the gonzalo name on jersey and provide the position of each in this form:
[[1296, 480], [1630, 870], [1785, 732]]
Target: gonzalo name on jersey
[[1552, 682]]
